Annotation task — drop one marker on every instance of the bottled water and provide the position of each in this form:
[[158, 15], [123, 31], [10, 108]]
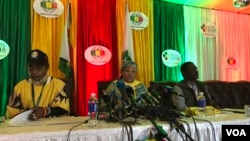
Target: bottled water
[[201, 104], [93, 111]]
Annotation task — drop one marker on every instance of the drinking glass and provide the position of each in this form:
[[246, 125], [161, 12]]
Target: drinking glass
[[247, 110]]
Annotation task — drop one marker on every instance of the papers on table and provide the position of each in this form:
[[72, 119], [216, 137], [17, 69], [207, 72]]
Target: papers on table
[[20, 119]]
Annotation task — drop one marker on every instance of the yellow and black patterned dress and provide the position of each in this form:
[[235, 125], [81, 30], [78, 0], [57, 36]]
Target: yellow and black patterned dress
[[28, 95]]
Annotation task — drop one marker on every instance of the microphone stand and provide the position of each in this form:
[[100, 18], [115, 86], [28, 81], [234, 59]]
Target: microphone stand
[[165, 113], [168, 92], [161, 134], [133, 114], [118, 116], [174, 121]]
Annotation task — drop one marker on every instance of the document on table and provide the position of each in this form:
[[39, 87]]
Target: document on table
[[22, 120]]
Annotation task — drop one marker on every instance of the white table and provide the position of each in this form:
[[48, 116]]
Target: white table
[[57, 129]]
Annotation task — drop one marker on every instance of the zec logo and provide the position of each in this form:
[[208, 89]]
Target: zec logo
[[231, 61], [4, 49], [48, 8], [208, 30], [171, 58], [97, 55]]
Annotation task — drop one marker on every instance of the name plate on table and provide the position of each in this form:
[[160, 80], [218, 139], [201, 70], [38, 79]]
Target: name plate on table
[[235, 132]]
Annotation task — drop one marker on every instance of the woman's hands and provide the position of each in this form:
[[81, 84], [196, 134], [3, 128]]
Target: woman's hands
[[38, 112]]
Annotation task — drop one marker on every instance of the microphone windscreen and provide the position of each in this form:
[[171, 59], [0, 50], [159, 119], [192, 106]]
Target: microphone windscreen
[[129, 90], [154, 93], [167, 89], [147, 99], [130, 93], [120, 84], [106, 98]]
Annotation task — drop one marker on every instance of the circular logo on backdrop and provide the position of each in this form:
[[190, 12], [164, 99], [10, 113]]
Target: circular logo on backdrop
[[138, 20], [48, 8], [171, 58], [97, 55], [231, 61], [4, 49], [208, 30]]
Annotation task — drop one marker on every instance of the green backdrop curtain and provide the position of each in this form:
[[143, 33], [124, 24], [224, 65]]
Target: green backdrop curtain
[[198, 47], [15, 31], [168, 34]]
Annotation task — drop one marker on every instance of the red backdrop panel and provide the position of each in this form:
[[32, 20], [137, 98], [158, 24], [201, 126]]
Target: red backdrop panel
[[96, 26]]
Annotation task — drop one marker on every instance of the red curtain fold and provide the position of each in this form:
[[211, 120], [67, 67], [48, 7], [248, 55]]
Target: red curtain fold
[[96, 26]]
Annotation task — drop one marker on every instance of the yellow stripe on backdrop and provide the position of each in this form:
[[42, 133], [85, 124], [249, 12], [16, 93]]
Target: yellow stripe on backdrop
[[120, 14], [73, 33], [47, 36], [73, 37], [142, 39]]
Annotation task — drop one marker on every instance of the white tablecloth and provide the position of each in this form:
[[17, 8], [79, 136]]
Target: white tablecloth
[[57, 129]]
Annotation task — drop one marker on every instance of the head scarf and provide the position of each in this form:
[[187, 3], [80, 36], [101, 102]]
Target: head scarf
[[127, 64]]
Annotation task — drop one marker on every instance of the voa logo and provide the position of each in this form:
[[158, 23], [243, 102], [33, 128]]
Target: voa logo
[[236, 132]]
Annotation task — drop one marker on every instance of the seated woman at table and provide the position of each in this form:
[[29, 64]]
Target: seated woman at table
[[119, 92], [41, 93]]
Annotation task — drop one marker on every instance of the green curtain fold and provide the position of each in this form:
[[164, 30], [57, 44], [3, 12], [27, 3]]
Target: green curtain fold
[[168, 34], [15, 29]]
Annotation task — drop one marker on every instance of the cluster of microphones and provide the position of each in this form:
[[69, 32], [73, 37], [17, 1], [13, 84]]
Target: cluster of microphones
[[154, 106]]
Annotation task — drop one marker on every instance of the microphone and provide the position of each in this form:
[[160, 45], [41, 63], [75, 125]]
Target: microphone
[[114, 111], [107, 100], [121, 86], [176, 93], [161, 134], [149, 100], [130, 94], [169, 90], [154, 93]]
